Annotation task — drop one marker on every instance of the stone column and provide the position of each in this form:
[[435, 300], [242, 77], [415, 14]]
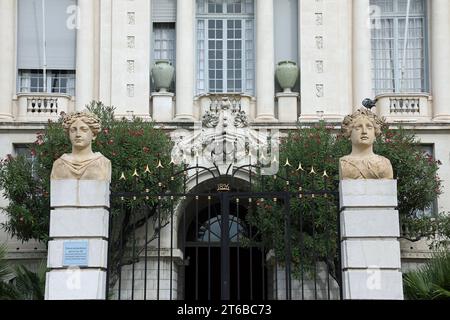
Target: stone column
[[185, 60], [370, 250], [361, 48], [265, 65], [78, 250], [440, 59], [85, 60], [7, 57]]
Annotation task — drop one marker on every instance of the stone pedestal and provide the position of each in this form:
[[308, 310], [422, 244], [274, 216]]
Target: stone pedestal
[[287, 106], [78, 249], [163, 107], [369, 240]]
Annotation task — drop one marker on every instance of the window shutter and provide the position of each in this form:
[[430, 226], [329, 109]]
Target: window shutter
[[164, 10], [60, 39]]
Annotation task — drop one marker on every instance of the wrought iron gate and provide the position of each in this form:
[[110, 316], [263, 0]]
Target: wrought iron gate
[[199, 242]]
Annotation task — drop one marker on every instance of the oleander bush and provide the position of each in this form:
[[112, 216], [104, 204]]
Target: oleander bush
[[317, 149]]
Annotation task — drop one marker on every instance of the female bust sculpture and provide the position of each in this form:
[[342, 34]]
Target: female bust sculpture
[[82, 163], [362, 127]]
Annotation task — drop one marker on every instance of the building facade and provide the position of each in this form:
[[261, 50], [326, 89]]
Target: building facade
[[58, 55]]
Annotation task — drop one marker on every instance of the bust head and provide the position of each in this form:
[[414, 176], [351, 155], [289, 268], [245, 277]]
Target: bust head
[[362, 119], [82, 164], [362, 128], [82, 129]]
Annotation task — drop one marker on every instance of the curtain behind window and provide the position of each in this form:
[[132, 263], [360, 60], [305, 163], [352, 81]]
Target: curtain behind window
[[394, 69], [60, 34]]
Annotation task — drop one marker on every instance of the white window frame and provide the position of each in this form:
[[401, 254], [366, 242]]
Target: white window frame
[[430, 211], [395, 17], [25, 76], [24, 150], [164, 46], [247, 47]]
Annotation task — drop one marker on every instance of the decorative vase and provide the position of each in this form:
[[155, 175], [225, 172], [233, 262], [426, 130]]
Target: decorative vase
[[287, 73], [162, 73]]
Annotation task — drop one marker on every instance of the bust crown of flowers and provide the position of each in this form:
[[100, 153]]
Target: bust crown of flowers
[[90, 119], [347, 124]]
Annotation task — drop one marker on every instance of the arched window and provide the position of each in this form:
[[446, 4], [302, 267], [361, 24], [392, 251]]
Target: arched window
[[211, 230]]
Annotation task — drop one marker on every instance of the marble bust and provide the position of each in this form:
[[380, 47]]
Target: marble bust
[[362, 128], [82, 164]]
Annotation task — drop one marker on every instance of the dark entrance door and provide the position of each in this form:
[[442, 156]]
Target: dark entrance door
[[223, 262]]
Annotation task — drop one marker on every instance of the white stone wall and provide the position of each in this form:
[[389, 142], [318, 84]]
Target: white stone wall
[[152, 280], [325, 59], [321, 287]]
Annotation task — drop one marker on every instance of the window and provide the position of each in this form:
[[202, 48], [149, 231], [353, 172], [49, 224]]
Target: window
[[164, 42], [56, 81], [164, 14], [164, 45], [399, 62], [428, 151], [46, 46], [225, 46], [23, 150], [211, 230]]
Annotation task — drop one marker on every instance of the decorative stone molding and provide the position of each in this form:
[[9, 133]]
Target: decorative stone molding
[[42, 106], [224, 138], [404, 107]]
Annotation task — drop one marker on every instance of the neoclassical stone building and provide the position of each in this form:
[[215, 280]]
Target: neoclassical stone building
[[397, 51]]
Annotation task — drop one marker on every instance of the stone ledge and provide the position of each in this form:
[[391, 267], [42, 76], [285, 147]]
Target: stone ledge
[[368, 193], [371, 254], [79, 222], [97, 253], [370, 223], [373, 284], [73, 284], [79, 193]]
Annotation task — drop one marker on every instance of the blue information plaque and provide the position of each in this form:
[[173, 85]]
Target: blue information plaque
[[75, 253]]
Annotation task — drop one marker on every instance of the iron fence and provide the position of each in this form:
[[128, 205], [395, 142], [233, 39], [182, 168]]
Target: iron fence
[[202, 235]]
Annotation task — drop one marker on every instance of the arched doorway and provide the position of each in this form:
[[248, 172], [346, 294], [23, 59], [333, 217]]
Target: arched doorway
[[222, 263]]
